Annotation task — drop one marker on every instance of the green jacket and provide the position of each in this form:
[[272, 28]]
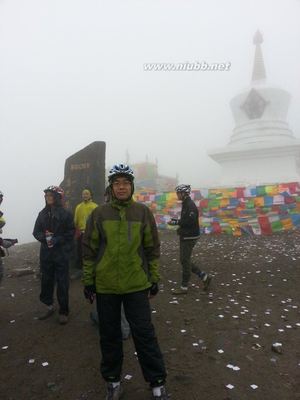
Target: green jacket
[[121, 248]]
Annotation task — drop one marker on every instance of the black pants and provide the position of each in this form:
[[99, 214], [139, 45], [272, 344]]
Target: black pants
[[55, 269], [138, 313], [79, 251], [186, 248]]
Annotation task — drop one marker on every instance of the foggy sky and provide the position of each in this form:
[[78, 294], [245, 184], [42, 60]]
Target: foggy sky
[[71, 72]]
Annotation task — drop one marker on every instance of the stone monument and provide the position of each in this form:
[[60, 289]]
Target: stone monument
[[86, 168]]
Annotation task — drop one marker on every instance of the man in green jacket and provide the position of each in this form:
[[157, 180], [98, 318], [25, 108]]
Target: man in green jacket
[[120, 264]]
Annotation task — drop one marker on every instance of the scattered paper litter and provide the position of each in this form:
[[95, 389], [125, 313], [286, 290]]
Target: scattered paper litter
[[254, 386], [4, 347], [256, 346], [31, 361], [12, 295], [128, 377], [45, 364], [220, 351], [233, 367], [229, 386]]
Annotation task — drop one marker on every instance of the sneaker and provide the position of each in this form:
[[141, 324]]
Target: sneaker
[[46, 314], [113, 393], [207, 282], [163, 394], [181, 290], [63, 319]]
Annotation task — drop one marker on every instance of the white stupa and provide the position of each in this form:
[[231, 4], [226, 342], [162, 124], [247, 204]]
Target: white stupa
[[262, 148]]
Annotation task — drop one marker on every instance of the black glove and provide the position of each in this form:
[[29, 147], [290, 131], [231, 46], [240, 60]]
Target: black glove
[[89, 293], [154, 289]]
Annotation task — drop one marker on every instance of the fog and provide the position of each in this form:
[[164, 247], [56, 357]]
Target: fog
[[71, 72]]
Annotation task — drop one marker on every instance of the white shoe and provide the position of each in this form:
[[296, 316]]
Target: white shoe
[[113, 393]]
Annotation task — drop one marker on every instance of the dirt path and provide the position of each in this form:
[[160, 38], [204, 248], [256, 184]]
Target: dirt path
[[209, 341]]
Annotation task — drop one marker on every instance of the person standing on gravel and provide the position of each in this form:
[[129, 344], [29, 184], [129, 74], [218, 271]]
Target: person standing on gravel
[[2, 253], [4, 243], [120, 264], [189, 233], [125, 328], [54, 228], [82, 212]]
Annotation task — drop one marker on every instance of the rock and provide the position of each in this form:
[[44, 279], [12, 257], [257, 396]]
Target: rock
[[277, 348], [52, 386]]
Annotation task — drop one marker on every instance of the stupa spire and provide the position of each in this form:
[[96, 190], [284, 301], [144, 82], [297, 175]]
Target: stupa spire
[[259, 71]]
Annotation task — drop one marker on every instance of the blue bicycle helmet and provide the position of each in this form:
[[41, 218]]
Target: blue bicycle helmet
[[120, 169]]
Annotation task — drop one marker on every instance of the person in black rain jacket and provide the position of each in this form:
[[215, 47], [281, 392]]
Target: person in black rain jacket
[[189, 233], [54, 228]]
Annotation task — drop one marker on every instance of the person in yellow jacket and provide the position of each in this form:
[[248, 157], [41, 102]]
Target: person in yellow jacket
[[82, 212]]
